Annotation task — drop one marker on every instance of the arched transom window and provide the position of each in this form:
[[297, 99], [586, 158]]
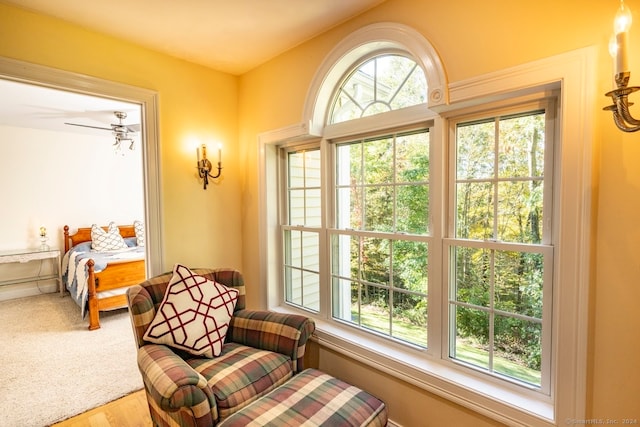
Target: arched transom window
[[383, 83]]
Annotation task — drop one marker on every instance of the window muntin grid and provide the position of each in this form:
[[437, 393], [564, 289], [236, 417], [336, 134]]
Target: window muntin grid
[[301, 235], [379, 249], [500, 257], [383, 83]]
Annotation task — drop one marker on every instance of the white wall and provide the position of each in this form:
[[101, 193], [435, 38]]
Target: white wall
[[53, 178]]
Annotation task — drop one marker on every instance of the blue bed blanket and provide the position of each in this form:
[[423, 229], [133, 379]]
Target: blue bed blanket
[[75, 273]]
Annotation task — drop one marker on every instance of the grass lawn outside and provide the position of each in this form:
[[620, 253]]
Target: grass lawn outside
[[467, 350]]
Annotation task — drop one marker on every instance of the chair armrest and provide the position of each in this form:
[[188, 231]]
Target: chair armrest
[[284, 333], [173, 384], [141, 311]]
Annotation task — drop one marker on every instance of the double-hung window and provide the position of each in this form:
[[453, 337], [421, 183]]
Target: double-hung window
[[301, 229], [500, 243]]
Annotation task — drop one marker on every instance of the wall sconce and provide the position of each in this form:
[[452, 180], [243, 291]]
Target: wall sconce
[[204, 165], [618, 49]]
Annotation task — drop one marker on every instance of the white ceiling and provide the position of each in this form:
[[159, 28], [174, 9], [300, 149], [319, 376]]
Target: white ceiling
[[233, 36], [37, 107]]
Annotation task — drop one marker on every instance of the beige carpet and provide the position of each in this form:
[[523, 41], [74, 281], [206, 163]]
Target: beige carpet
[[52, 367]]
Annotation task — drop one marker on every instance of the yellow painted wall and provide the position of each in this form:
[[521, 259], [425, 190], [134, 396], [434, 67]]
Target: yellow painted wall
[[474, 38], [201, 228]]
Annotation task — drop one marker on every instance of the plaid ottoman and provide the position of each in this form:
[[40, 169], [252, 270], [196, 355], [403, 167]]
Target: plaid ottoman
[[312, 398]]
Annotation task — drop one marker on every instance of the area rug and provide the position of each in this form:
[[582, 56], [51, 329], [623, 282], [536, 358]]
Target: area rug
[[52, 367]]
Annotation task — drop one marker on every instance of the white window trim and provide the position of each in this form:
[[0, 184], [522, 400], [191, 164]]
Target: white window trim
[[574, 72]]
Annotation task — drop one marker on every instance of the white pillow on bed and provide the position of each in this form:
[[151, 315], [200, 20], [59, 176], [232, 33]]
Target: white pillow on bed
[[138, 226], [107, 240]]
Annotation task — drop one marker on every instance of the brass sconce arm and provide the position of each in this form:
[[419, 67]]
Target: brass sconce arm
[[205, 167], [620, 107], [204, 171]]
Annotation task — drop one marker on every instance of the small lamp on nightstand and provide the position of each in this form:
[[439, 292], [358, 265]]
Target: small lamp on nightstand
[[43, 239]]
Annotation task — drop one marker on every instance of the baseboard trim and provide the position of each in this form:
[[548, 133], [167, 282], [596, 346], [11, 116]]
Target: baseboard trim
[[8, 292]]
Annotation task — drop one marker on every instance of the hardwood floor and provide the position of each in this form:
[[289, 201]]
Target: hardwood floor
[[128, 411]]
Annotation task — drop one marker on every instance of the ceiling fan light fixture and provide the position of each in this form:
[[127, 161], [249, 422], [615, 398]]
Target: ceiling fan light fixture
[[119, 130]]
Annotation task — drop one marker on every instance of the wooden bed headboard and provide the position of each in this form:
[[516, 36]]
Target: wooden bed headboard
[[84, 235]]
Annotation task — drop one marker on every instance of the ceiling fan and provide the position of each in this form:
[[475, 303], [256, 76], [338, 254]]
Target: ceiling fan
[[119, 130]]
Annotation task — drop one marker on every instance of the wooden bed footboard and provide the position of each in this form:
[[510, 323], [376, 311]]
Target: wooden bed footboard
[[117, 275]]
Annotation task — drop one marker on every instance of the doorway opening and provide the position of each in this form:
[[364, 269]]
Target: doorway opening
[[38, 75]]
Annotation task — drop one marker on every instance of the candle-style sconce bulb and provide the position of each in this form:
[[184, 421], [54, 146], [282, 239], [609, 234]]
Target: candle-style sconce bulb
[[620, 95]]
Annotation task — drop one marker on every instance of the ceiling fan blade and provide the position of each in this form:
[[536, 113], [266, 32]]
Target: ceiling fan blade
[[133, 128], [87, 126]]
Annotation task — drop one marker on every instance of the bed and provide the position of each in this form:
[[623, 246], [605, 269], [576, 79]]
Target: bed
[[98, 279]]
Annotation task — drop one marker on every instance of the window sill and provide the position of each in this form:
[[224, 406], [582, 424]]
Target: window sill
[[506, 403]]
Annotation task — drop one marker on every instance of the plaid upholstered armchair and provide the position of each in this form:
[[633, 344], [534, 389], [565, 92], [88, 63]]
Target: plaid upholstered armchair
[[254, 352]]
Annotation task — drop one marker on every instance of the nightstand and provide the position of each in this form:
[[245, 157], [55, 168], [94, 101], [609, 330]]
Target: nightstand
[[28, 255]]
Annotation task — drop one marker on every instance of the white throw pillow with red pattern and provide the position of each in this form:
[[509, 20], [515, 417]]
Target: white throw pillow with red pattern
[[194, 314]]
